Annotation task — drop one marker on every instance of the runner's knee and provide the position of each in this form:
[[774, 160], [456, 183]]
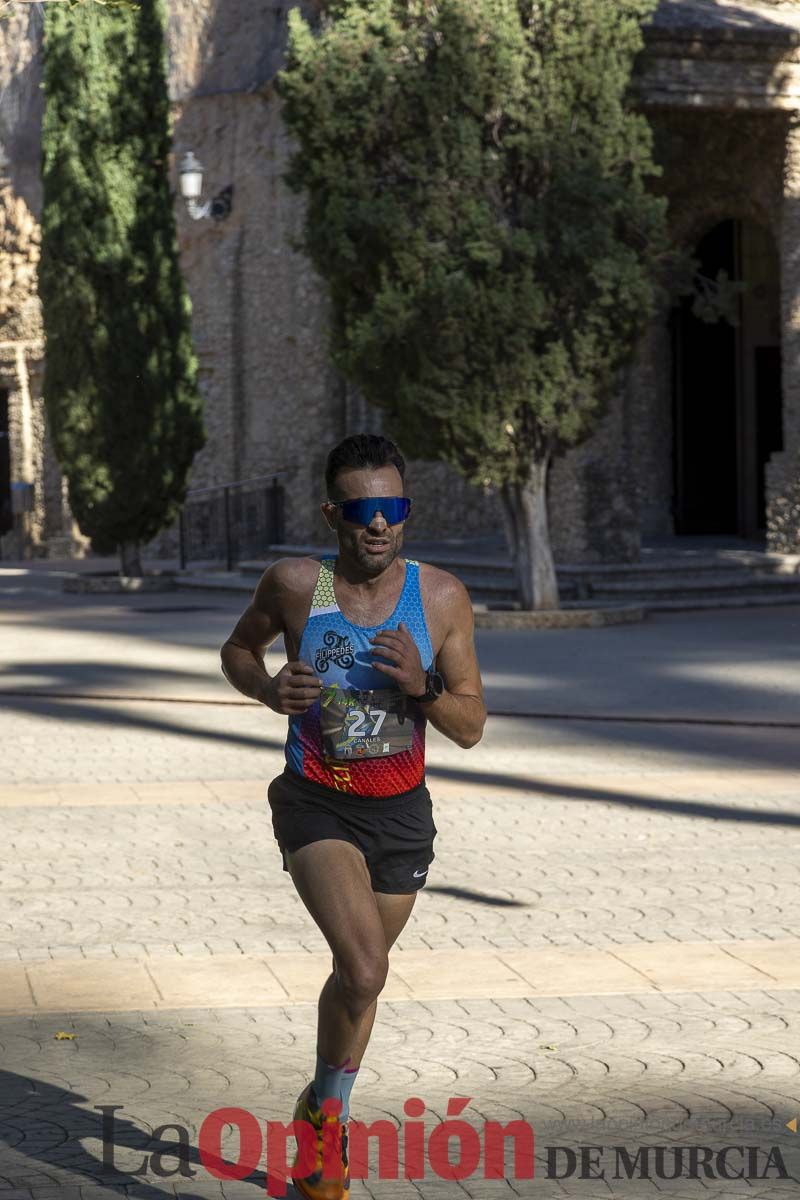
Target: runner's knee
[[362, 979]]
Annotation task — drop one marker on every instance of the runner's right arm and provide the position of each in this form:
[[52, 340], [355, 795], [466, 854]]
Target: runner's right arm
[[295, 687]]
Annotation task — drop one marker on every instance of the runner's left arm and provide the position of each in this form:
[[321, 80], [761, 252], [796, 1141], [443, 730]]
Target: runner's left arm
[[459, 712]]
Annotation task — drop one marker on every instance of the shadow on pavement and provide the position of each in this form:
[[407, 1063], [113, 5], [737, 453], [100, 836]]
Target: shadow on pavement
[[112, 713], [49, 1124], [476, 897], [105, 712], [571, 791]]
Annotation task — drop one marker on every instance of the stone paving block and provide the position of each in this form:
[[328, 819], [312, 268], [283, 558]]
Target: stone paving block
[[253, 790], [97, 950], [15, 994], [563, 971], [145, 1191], [487, 1189], [193, 949], [12, 796], [441, 1189], [779, 959], [60, 1192], [127, 950], [302, 975], [100, 1193], [456, 973], [205, 1189], [230, 980], [396, 1189], [99, 985], [688, 965], [34, 954], [96, 794], [176, 792]]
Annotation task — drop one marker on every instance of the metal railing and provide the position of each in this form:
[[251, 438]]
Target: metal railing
[[232, 520]]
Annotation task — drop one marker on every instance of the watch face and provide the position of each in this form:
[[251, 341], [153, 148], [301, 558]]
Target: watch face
[[434, 684]]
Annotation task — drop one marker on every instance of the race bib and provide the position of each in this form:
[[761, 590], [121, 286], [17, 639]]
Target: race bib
[[365, 724]]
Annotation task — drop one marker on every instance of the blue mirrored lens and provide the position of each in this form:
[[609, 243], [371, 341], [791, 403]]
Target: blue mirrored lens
[[360, 512]]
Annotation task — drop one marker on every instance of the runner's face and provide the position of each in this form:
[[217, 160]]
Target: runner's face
[[375, 546]]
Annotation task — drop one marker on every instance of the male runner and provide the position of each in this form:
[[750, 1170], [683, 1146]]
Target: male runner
[[377, 645]]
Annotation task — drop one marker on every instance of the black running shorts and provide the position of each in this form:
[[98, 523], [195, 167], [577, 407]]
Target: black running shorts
[[394, 833]]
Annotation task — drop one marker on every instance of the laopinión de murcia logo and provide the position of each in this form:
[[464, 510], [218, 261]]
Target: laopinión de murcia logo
[[454, 1149]]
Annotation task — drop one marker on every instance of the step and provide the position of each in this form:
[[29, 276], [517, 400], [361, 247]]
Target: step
[[722, 562], [224, 581], [677, 586], [236, 582], [484, 583], [451, 560], [752, 600], [446, 560]]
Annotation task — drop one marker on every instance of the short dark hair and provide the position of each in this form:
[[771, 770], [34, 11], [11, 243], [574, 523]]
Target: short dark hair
[[362, 450]]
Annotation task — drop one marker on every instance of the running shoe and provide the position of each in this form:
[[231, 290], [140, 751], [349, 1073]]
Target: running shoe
[[315, 1186]]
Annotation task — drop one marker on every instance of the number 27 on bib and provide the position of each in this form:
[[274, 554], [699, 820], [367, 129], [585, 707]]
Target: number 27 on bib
[[365, 724]]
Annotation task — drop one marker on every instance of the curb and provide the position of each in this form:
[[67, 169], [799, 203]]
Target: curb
[[98, 584], [559, 618]]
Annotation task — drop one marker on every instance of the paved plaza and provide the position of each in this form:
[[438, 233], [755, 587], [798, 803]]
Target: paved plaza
[[607, 948]]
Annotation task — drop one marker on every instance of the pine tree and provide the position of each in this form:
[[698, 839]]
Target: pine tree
[[476, 195], [120, 384]]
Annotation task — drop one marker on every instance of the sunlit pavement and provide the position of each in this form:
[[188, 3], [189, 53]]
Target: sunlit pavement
[[607, 946]]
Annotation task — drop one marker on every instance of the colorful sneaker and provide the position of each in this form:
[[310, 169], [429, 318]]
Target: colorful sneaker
[[316, 1186]]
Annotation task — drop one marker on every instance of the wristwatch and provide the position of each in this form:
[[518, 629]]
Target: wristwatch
[[434, 686]]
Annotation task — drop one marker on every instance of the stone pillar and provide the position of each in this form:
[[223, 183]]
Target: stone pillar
[[593, 499], [783, 468], [651, 428], [19, 542]]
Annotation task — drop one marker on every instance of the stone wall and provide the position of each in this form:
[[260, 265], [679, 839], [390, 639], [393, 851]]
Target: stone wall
[[783, 472], [273, 401]]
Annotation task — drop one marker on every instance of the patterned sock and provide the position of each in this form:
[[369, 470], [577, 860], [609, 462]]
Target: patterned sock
[[345, 1088], [328, 1080]]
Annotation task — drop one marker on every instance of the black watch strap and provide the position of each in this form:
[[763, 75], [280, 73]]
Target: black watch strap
[[434, 686]]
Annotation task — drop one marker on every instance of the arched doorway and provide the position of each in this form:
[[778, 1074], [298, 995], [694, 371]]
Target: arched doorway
[[727, 390]]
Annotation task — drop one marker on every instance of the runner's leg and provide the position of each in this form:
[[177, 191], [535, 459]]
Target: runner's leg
[[333, 882], [394, 913]]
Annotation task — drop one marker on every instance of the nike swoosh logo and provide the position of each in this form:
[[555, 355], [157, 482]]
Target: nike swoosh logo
[[419, 874]]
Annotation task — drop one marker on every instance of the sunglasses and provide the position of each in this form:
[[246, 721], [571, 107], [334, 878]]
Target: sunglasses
[[360, 512]]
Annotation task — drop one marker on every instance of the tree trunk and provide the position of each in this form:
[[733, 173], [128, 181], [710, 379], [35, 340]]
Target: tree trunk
[[130, 562], [525, 519]]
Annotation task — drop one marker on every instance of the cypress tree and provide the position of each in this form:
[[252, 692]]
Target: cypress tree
[[120, 385], [477, 201]]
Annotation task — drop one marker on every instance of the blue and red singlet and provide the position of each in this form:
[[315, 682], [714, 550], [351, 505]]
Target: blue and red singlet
[[363, 735]]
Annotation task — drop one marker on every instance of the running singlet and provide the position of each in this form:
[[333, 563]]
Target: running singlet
[[363, 735]]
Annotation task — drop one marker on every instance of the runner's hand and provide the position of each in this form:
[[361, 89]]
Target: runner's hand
[[293, 690], [398, 646]]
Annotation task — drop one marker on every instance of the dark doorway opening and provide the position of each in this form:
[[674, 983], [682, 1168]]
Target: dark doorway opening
[[6, 515], [727, 390]]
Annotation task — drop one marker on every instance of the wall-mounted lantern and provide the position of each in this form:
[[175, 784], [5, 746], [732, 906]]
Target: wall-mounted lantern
[[191, 178]]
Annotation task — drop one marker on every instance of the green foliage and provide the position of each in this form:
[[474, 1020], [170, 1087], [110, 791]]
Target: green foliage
[[120, 376], [716, 299], [478, 205]]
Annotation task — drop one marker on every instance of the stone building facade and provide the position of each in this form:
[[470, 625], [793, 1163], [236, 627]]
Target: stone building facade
[[704, 433]]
